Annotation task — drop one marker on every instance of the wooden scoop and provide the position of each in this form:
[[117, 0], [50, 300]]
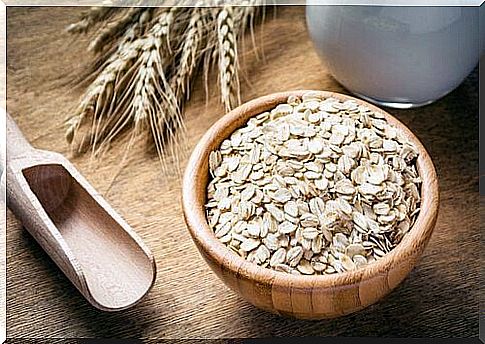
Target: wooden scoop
[[88, 240]]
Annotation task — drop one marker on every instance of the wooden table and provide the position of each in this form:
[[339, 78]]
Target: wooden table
[[439, 298]]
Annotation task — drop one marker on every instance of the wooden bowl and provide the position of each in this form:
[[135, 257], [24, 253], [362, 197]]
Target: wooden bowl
[[307, 297]]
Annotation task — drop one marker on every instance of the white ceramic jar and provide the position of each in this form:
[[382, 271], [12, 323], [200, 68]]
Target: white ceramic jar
[[397, 56]]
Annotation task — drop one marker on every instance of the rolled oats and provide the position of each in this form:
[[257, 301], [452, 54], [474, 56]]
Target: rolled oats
[[314, 186]]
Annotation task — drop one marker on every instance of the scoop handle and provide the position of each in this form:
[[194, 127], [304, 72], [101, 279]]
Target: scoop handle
[[25, 205], [17, 144]]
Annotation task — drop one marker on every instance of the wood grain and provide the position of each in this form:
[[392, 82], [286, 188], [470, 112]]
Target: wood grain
[[95, 248], [439, 297], [301, 296]]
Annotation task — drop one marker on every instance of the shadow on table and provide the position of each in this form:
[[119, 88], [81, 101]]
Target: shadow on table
[[416, 307], [411, 310]]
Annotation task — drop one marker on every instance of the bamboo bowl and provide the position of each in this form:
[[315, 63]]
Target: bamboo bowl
[[306, 297]]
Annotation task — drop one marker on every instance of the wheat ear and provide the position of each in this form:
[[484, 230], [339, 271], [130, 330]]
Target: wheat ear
[[111, 49], [146, 100], [100, 93], [211, 41], [113, 28], [228, 59], [190, 55], [190, 52], [154, 101], [129, 88]]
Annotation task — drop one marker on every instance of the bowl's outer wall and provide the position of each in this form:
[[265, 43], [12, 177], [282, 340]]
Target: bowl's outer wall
[[279, 292], [313, 302]]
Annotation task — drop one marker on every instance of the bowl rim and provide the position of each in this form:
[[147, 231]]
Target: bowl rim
[[197, 173]]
